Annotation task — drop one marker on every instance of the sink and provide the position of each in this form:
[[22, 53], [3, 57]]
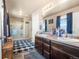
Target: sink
[[44, 35], [41, 34]]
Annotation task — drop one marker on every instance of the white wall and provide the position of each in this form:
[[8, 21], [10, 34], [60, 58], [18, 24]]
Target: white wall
[[1, 25], [1, 18], [35, 24], [76, 23]]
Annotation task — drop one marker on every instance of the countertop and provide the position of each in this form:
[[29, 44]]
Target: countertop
[[66, 40]]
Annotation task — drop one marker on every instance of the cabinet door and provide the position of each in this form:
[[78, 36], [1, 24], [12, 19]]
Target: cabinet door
[[46, 47], [57, 54], [38, 45], [73, 58], [46, 54]]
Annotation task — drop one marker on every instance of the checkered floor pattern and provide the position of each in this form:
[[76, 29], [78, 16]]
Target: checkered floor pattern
[[22, 45]]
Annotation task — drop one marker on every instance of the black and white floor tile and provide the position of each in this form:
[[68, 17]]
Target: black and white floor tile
[[22, 45]]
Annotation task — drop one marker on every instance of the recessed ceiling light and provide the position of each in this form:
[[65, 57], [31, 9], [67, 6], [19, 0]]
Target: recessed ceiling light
[[64, 0], [20, 12]]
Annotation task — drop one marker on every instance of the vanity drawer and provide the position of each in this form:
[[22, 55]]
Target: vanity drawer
[[46, 47], [59, 54], [46, 54], [47, 41], [68, 49], [38, 45], [56, 44], [38, 38], [38, 42]]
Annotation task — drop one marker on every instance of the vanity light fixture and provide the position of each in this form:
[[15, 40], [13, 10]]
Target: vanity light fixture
[[20, 12], [63, 1]]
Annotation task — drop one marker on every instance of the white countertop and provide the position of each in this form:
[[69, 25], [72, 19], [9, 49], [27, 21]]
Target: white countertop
[[70, 41]]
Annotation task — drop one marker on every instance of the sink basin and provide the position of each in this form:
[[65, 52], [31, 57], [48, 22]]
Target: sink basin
[[43, 35]]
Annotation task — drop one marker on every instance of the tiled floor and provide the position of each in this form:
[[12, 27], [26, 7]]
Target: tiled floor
[[28, 55], [20, 55]]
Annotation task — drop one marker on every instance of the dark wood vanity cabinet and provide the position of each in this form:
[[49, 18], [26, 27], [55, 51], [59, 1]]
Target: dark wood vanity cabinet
[[58, 52], [43, 46], [47, 48], [51, 49], [39, 44]]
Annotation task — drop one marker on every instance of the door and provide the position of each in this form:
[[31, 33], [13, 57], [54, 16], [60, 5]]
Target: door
[[27, 30]]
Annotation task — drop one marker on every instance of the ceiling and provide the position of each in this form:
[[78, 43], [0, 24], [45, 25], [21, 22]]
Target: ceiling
[[27, 7], [66, 4]]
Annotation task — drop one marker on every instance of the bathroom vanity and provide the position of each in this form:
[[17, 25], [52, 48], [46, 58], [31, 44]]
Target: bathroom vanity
[[52, 47]]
